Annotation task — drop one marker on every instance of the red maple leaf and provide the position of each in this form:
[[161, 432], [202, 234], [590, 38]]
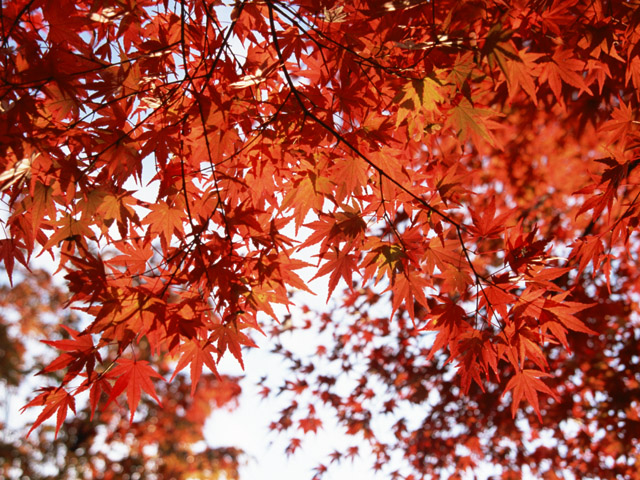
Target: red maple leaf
[[196, 353], [339, 265], [564, 67], [54, 400], [229, 334], [80, 353], [134, 376], [527, 383]]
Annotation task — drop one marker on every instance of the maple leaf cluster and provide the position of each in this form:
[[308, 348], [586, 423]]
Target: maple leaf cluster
[[467, 169], [162, 441]]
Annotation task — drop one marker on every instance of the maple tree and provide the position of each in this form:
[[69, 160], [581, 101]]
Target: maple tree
[[467, 169]]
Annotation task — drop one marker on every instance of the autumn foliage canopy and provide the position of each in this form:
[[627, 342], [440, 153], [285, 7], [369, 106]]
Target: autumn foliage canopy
[[462, 172]]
